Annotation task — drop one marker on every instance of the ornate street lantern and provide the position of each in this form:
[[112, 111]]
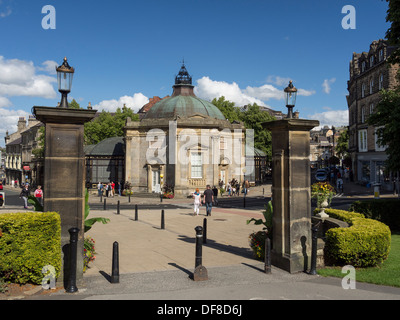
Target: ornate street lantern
[[65, 74], [290, 97]]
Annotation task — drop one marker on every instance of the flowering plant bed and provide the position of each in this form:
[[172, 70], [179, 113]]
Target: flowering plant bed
[[88, 252]]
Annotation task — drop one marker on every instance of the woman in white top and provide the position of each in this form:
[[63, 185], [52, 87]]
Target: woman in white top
[[197, 202]]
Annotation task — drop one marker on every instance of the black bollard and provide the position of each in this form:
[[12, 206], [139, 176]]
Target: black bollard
[[314, 232], [205, 230], [115, 264], [129, 198], [118, 207], [101, 198], [267, 264], [105, 204], [73, 249], [199, 251], [161, 196], [162, 220], [136, 212], [200, 272]]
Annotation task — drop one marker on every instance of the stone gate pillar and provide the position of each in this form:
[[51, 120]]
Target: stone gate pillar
[[64, 174], [291, 195]]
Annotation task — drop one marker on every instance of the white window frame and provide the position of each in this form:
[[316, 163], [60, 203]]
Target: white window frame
[[371, 86], [363, 90], [380, 55], [371, 108], [196, 165], [362, 140], [381, 81]]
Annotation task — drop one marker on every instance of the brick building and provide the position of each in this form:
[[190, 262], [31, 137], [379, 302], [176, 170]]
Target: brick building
[[369, 74]]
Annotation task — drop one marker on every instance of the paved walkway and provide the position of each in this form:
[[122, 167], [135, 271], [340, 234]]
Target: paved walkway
[[156, 263]]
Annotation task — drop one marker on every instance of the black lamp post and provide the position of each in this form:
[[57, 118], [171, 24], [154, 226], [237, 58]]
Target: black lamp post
[[290, 97], [65, 74]]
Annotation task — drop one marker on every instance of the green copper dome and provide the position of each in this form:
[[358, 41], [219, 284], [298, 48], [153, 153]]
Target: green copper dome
[[183, 102], [183, 106]]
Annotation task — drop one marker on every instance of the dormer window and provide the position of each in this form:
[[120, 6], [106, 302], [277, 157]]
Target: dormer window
[[380, 55], [371, 61], [363, 66]]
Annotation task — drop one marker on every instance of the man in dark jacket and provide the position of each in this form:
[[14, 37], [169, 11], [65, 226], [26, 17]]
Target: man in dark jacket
[[208, 199], [215, 193]]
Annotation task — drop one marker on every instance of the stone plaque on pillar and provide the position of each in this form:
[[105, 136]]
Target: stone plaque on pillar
[[64, 174], [291, 195]]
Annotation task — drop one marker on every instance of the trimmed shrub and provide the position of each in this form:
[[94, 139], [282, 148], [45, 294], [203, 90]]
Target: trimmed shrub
[[365, 243], [28, 242], [384, 210]]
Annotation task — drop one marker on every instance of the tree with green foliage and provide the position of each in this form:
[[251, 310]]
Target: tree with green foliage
[[227, 108], [108, 125], [386, 118], [253, 118], [393, 33], [342, 145]]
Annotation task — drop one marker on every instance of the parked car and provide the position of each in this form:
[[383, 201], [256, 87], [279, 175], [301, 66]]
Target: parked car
[[321, 175]]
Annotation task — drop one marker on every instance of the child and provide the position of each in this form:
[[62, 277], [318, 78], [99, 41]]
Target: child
[[197, 201]]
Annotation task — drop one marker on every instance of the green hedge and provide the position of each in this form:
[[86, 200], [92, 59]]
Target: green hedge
[[365, 243], [384, 210], [28, 242]]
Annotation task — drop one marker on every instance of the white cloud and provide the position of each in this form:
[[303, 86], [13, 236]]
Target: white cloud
[[4, 102], [134, 102], [209, 89], [326, 85], [49, 66], [335, 118], [9, 121], [19, 78], [279, 81]]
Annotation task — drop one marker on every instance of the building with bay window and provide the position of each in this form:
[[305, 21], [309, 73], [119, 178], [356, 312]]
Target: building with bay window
[[369, 74]]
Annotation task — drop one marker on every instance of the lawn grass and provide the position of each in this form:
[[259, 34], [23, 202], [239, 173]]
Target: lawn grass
[[388, 273]]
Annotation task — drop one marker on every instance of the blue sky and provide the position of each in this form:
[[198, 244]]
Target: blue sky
[[129, 51]]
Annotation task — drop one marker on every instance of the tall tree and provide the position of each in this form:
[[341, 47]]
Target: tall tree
[[386, 120], [252, 118], [386, 117], [108, 125], [393, 33], [227, 108], [342, 145]]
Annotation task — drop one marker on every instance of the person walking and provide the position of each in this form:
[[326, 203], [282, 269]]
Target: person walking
[[215, 193], [39, 194], [246, 186], [208, 199], [197, 202], [25, 193], [100, 189]]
